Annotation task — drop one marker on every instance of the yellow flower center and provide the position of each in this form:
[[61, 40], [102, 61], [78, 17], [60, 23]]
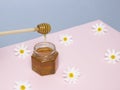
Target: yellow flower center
[[71, 75], [113, 57], [99, 29], [22, 87], [65, 38], [22, 51]]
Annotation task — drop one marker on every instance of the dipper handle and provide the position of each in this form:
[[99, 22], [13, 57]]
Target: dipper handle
[[43, 28], [17, 31]]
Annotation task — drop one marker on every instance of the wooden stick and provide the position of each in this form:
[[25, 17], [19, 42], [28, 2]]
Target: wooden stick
[[18, 31]]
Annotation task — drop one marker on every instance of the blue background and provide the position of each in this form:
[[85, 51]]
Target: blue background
[[61, 14]]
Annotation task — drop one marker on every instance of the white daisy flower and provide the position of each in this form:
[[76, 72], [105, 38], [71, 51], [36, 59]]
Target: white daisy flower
[[21, 51], [99, 29], [71, 75], [22, 85], [112, 56], [66, 39]]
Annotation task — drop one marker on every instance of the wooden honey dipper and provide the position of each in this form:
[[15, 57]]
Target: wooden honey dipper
[[43, 28]]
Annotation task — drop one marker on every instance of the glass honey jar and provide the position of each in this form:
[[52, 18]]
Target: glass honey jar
[[44, 58]]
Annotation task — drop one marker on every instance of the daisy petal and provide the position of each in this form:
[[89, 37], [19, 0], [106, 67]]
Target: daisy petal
[[99, 29], [65, 39], [71, 75], [112, 56], [18, 85], [21, 51]]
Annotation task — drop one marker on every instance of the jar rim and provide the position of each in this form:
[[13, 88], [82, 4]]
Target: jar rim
[[44, 43]]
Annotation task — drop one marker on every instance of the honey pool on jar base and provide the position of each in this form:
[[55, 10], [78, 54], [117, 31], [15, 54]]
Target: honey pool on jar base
[[44, 58]]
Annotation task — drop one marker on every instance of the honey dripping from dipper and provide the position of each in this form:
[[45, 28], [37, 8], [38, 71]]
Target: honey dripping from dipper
[[44, 29], [44, 57]]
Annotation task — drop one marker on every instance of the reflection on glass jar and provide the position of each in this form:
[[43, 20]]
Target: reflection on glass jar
[[44, 58]]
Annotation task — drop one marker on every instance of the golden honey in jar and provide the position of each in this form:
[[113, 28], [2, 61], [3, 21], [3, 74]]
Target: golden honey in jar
[[44, 58]]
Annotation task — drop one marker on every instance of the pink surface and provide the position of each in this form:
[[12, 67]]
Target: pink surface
[[87, 52]]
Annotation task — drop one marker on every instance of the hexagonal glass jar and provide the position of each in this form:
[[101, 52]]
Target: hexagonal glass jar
[[44, 58]]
